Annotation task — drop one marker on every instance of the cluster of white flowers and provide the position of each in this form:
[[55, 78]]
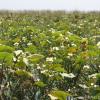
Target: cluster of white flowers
[[62, 46], [79, 27], [52, 30], [66, 39], [74, 45], [83, 86], [24, 38], [94, 85], [43, 65], [81, 24], [51, 75], [98, 44], [93, 75], [70, 75], [69, 55], [28, 44], [38, 66], [55, 48], [16, 44], [86, 67], [43, 71], [50, 59], [69, 33], [18, 52], [74, 25]]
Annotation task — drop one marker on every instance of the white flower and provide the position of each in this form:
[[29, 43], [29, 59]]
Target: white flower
[[25, 60], [23, 38], [99, 66], [14, 59], [55, 48], [92, 84], [68, 89], [98, 44], [44, 71], [11, 70], [93, 75], [62, 46], [70, 54], [66, 38], [69, 33], [85, 21], [50, 59], [86, 67], [95, 86], [0, 64], [48, 41], [18, 52], [52, 30], [43, 65], [38, 66], [79, 26], [29, 44], [52, 97], [50, 75], [70, 75], [73, 25], [16, 44], [38, 79], [80, 98], [83, 86], [61, 35], [31, 35], [74, 45]]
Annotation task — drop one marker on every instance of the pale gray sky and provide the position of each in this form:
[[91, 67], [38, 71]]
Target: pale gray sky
[[50, 4]]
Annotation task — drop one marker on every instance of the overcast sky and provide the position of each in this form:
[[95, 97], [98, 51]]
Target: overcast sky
[[50, 4]]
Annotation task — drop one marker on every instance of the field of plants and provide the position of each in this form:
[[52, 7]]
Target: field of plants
[[49, 55]]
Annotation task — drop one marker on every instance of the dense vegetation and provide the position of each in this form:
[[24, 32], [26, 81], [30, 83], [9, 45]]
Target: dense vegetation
[[49, 55]]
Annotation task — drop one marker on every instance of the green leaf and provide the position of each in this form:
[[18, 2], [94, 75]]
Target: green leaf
[[4, 48], [20, 64], [23, 73], [31, 49], [61, 95], [40, 84], [7, 57], [35, 58]]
